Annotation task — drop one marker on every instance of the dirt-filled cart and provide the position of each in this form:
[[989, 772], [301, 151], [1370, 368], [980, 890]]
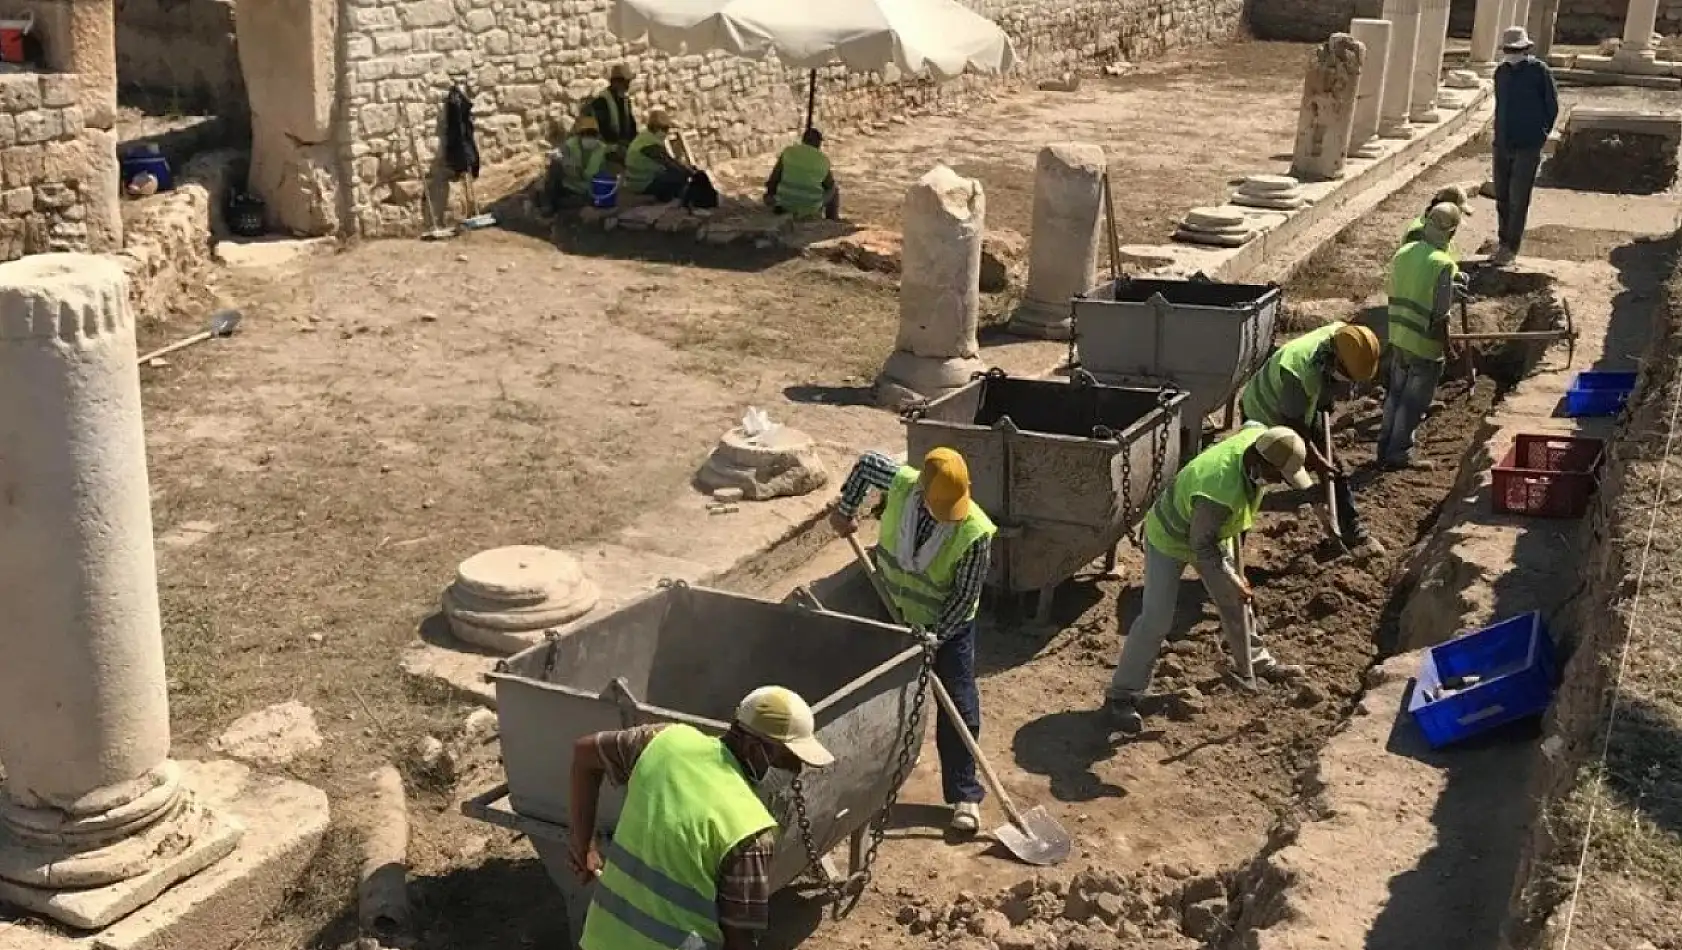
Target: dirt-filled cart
[[1202, 337], [1066, 468], [690, 654]]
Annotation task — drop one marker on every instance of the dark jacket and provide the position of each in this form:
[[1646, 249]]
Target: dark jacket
[[461, 148], [602, 109], [1526, 104]]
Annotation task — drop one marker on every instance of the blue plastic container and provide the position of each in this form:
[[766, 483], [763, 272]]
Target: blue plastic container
[[132, 165], [1515, 666], [1598, 394], [604, 191]]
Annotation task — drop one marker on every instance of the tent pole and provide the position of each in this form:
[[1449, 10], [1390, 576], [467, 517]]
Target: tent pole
[[811, 97]]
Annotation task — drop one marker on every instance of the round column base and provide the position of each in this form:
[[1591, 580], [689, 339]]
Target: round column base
[[1396, 129], [1042, 319], [908, 378]]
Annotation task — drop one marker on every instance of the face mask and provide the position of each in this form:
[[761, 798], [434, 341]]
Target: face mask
[[1513, 59]]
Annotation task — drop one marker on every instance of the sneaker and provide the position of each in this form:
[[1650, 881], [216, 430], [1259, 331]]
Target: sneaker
[[966, 817], [1123, 713]]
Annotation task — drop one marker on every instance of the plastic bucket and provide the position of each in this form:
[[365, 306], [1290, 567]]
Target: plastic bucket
[[604, 191], [158, 165]]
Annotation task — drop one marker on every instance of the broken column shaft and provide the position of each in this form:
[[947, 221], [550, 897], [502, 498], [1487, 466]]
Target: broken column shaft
[[1398, 68], [1068, 211], [94, 819], [1374, 36], [1486, 33], [1327, 118]]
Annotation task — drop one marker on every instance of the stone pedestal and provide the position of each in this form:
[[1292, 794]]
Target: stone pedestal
[[1486, 33], [1374, 35], [94, 819], [1068, 213], [939, 290], [1327, 118], [505, 598], [1428, 61], [779, 463], [1398, 69], [1636, 53]]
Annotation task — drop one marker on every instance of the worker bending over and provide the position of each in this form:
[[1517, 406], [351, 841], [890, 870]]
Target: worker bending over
[[1297, 385], [935, 547], [1198, 520], [802, 183], [689, 861], [1454, 195], [611, 108], [1423, 283]]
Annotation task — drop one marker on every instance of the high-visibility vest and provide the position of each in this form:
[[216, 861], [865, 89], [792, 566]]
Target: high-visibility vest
[[640, 170], [1414, 273], [1216, 474], [687, 805], [921, 597], [615, 129], [1299, 359], [579, 165], [800, 189]]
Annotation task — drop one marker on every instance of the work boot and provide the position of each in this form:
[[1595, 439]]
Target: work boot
[[1359, 541], [966, 817], [1123, 714]]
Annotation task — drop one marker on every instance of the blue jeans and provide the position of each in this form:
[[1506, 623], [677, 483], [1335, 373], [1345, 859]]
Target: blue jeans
[[1412, 386], [954, 666]]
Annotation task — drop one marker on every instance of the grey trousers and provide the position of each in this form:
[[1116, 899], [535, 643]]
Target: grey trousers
[[1144, 636], [1514, 179]]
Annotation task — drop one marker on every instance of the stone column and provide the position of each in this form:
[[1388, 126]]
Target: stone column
[[1328, 109], [1544, 14], [1637, 51], [939, 290], [94, 819], [1428, 61], [287, 54], [1486, 34], [1398, 68], [1374, 36], [1063, 253]]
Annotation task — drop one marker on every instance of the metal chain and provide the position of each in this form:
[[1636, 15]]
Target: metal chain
[[1159, 461], [831, 888]]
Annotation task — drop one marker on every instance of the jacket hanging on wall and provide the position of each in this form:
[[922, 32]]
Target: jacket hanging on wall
[[461, 153]]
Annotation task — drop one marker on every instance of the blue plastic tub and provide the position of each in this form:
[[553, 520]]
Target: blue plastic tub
[[604, 191], [158, 165], [1598, 394], [1515, 666]]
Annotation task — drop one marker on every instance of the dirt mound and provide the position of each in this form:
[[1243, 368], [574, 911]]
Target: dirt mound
[[1097, 909]]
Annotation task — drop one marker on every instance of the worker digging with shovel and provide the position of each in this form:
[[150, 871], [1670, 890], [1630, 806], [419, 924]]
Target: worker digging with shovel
[[1297, 388], [1200, 519]]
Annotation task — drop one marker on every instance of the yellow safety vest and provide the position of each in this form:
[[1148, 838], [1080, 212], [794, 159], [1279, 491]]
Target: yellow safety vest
[[640, 170], [687, 805], [921, 597], [800, 191], [1218, 475], [1414, 274], [616, 119], [1299, 359], [1416, 232], [579, 165]]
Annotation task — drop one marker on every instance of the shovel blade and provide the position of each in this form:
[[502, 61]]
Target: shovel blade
[[223, 322], [1039, 841]]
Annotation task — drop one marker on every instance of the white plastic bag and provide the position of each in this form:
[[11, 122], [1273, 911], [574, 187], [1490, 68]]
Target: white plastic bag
[[757, 424]]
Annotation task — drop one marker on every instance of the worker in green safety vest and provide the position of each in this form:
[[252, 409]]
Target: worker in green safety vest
[[1198, 520], [802, 184], [1454, 195], [611, 108], [933, 555], [1424, 282], [688, 863], [650, 168], [1297, 386], [581, 157]]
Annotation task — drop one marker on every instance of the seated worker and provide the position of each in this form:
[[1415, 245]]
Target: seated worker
[[650, 168], [1454, 195], [611, 108], [581, 157], [801, 183], [1298, 383]]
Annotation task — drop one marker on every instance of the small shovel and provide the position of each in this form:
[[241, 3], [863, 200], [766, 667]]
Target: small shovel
[[1033, 836], [222, 323]]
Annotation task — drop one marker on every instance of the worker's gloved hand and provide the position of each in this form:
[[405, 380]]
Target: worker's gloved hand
[[844, 525], [1245, 591]]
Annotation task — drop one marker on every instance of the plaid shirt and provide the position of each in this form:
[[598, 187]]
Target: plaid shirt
[[875, 470], [744, 876]]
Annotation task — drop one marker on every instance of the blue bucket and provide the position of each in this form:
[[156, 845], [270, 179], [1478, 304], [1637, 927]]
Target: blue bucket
[[604, 191], [135, 163]]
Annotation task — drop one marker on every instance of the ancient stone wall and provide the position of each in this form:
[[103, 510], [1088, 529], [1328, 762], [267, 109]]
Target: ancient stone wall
[[179, 55], [43, 165], [528, 64]]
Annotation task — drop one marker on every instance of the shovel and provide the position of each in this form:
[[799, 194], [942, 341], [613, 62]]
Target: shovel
[[1033, 836], [222, 323]]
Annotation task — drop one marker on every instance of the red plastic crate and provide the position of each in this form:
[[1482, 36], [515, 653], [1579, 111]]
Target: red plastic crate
[[1547, 476]]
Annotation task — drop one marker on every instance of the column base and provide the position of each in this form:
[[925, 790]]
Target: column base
[[908, 378], [1042, 320], [263, 833], [1371, 148], [1426, 116], [1396, 129]]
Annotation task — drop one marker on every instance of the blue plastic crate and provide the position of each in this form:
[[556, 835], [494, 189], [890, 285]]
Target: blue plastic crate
[[1515, 666], [1598, 394]]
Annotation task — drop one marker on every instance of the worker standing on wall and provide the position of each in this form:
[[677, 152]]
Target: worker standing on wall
[[611, 108], [1298, 385], [802, 184], [690, 859], [1454, 195], [933, 554], [1198, 520], [1424, 280]]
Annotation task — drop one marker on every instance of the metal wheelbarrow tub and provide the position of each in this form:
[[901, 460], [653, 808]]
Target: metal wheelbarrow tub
[[689, 654], [1065, 468], [1200, 336]]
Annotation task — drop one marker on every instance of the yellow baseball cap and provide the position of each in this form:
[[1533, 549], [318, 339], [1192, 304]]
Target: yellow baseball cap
[[945, 477], [781, 716]]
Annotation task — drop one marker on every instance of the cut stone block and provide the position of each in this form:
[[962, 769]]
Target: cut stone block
[[1327, 119]]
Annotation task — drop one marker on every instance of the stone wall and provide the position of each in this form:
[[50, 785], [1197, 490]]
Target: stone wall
[[44, 167], [530, 62], [180, 55]]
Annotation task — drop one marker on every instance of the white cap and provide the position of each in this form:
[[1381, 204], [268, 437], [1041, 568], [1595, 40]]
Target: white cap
[[779, 715]]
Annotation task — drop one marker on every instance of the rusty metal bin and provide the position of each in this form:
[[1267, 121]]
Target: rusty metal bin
[[1065, 468]]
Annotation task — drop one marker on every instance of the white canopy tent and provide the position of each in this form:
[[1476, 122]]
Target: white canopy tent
[[941, 37]]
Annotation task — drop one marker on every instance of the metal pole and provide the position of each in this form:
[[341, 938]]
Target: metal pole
[[811, 97]]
